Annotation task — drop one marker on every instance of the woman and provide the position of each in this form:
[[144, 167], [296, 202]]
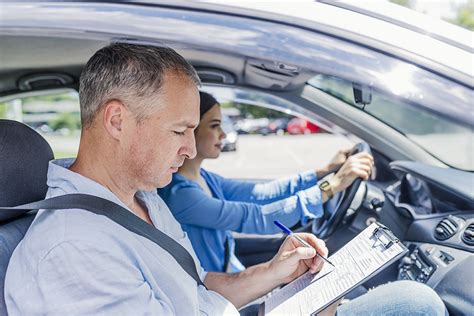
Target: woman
[[209, 207]]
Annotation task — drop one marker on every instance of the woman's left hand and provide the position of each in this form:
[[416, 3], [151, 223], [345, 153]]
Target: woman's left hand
[[338, 160]]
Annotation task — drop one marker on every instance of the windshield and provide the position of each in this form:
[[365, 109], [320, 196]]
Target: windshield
[[446, 139]]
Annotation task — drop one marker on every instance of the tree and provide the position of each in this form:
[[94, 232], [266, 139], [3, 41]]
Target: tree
[[71, 121], [405, 3], [465, 15], [3, 110]]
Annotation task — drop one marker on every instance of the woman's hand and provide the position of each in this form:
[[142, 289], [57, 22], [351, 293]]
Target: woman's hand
[[358, 165], [335, 163], [339, 159]]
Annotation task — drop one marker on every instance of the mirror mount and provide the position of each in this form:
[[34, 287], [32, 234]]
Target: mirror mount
[[362, 94]]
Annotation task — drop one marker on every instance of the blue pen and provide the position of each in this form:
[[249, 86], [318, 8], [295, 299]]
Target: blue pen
[[287, 231]]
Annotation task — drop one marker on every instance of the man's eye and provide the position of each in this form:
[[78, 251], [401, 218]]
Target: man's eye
[[179, 133]]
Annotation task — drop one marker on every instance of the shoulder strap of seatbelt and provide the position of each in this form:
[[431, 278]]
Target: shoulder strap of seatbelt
[[121, 216]]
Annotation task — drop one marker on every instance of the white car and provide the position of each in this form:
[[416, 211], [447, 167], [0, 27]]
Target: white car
[[397, 80]]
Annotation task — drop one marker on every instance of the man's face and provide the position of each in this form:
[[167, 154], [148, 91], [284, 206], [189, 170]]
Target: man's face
[[159, 145]]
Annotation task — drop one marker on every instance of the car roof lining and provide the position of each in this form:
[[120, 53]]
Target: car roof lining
[[68, 55]]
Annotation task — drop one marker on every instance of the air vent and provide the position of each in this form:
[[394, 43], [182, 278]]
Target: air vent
[[468, 236], [447, 227]]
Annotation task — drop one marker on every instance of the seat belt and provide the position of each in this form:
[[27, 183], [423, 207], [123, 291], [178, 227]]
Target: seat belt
[[121, 216]]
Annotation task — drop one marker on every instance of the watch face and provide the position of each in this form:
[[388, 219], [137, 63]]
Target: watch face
[[324, 185]]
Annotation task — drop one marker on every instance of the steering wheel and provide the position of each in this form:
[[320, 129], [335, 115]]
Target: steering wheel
[[329, 226]]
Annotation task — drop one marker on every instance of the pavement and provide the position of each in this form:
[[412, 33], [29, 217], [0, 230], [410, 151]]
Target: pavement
[[270, 157]]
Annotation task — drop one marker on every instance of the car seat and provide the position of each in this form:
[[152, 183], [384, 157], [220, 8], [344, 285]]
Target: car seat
[[24, 158]]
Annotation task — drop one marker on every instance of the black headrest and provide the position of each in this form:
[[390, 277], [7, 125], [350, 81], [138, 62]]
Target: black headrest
[[24, 157]]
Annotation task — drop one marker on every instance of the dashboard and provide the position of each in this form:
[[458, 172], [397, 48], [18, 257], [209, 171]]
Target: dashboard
[[431, 209]]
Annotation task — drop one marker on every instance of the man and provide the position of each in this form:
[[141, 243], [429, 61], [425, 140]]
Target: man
[[139, 107]]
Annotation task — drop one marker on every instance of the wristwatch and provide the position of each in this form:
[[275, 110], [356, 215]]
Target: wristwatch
[[326, 187]]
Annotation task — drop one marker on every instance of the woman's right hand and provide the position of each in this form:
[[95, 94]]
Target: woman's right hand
[[358, 165]]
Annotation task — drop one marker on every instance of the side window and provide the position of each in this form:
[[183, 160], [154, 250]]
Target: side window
[[265, 141], [55, 115]]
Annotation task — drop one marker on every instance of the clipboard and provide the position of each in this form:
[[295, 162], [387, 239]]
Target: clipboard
[[373, 250]]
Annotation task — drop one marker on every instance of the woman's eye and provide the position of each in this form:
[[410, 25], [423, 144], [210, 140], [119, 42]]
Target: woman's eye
[[179, 133], [215, 126]]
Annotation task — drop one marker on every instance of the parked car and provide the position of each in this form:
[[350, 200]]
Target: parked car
[[229, 143], [394, 79], [299, 125], [277, 126], [251, 125]]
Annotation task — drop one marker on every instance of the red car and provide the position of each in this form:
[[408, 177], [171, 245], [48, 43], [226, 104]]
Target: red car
[[301, 126]]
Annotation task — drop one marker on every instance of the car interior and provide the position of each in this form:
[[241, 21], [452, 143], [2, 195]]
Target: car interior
[[428, 205]]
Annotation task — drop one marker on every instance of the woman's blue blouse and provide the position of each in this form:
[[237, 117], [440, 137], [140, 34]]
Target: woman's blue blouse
[[240, 206]]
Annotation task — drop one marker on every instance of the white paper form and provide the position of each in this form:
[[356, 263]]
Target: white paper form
[[357, 260]]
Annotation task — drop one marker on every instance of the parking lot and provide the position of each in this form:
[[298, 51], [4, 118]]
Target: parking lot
[[257, 156], [268, 157]]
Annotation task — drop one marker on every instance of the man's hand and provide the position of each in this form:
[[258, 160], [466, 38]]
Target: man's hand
[[293, 259], [358, 165]]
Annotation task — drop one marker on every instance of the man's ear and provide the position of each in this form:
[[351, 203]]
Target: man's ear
[[113, 118]]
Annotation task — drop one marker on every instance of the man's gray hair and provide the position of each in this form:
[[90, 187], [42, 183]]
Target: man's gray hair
[[132, 74]]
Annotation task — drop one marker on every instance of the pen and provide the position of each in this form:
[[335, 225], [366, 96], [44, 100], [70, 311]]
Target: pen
[[287, 231]]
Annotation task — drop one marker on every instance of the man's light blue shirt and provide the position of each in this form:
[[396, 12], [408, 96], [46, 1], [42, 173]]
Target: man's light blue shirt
[[240, 206], [74, 262]]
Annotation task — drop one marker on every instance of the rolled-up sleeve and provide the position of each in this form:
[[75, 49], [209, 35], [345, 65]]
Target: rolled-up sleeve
[[190, 205], [266, 192]]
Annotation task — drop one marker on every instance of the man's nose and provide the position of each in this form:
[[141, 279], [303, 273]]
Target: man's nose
[[189, 148]]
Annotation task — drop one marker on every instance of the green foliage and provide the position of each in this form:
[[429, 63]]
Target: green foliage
[[71, 121], [405, 3], [63, 154], [253, 111], [50, 98], [3, 110], [247, 111], [228, 104], [465, 16]]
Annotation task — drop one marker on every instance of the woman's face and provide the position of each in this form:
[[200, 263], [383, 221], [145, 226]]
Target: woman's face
[[209, 134]]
